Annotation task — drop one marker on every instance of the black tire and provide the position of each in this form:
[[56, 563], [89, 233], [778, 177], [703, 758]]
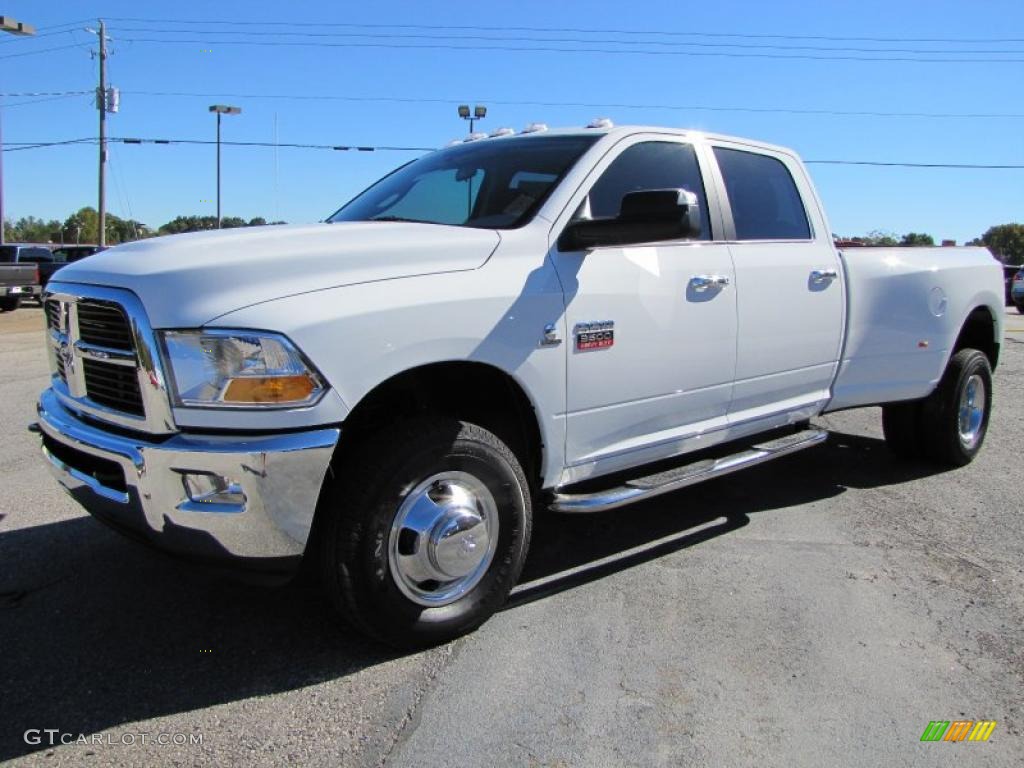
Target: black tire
[[901, 425], [9, 303], [1020, 308], [940, 411], [363, 502]]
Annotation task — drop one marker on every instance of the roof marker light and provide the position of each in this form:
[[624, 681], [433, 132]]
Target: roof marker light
[[535, 128], [476, 136], [601, 122], [503, 132]]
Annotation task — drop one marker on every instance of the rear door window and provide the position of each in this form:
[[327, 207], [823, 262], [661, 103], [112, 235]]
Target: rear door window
[[766, 204], [35, 256]]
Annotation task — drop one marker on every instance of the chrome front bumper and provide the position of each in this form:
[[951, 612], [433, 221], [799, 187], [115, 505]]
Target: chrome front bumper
[[239, 499]]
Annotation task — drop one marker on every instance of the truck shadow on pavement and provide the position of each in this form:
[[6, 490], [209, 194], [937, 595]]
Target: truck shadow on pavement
[[96, 632], [567, 551]]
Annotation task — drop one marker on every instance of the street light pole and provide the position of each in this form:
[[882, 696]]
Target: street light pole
[[7, 24], [221, 109], [479, 113], [218, 170]]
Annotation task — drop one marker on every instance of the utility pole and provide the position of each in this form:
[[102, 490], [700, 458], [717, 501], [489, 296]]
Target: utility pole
[[7, 24], [101, 103]]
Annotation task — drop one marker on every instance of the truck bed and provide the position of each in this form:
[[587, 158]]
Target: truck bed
[[905, 308], [17, 274]]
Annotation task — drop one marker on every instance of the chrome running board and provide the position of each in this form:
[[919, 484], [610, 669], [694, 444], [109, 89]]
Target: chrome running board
[[650, 486]]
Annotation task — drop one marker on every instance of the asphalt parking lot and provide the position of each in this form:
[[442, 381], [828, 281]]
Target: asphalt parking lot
[[816, 611]]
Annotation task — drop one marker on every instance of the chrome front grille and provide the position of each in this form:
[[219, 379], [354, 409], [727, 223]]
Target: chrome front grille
[[114, 386], [103, 357], [53, 314], [104, 325]]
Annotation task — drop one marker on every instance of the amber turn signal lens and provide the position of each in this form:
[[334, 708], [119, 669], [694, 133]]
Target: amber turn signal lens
[[269, 389]]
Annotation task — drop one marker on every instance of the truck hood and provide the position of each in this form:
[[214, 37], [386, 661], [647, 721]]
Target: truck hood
[[189, 280]]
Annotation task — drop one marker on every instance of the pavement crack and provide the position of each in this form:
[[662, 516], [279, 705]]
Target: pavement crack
[[410, 720], [11, 598]]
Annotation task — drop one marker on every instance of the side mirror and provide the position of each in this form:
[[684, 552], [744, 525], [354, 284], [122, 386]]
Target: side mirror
[[649, 216]]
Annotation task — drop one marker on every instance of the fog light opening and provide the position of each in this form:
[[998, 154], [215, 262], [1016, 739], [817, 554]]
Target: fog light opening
[[213, 489]]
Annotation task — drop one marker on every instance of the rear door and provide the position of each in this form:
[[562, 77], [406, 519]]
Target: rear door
[[789, 282]]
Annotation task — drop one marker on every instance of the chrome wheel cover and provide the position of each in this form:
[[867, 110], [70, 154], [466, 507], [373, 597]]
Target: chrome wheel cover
[[443, 538], [972, 411]]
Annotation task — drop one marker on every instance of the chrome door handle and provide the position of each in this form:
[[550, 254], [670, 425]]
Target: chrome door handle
[[823, 275], [701, 283]]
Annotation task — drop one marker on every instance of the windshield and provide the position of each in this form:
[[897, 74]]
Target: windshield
[[492, 184]]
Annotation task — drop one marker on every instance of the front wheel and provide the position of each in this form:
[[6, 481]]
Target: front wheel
[[1020, 308], [427, 531], [9, 303]]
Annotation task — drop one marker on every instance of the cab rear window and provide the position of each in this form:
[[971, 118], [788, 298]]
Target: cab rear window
[[765, 202]]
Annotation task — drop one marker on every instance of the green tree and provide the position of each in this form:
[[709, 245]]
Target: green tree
[[198, 223], [83, 227], [29, 229], [1006, 241], [916, 238], [181, 224], [879, 238], [875, 237]]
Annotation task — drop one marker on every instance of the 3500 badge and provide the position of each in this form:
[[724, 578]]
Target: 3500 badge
[[599, 335]]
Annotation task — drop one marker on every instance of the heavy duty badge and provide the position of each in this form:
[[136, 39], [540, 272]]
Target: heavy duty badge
[[599, 335]]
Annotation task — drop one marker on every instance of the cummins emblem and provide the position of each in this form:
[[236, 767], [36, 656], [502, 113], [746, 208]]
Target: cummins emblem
[[598, 335]]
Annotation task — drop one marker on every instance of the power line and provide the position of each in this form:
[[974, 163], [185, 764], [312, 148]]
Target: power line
[[582, 30], [43, 50], [55, 97], [336, 147], [30, 102], [590, 105], [373, 148], [882, 164], [571, 40], [18, 146], [57, 29], [13, 146], [557, 49], [43, 93]]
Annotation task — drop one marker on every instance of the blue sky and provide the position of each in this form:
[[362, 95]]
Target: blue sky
[[153, 183]]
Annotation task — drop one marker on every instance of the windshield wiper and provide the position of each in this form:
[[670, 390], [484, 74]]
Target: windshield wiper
[[401, 218]]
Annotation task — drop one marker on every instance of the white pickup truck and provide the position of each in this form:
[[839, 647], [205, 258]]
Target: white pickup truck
[[568, 319]]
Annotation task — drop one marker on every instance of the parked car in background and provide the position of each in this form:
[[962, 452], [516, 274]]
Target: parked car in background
[[1017, 290], [17, 281], [72, 253], [39, 255], [1009, 272]]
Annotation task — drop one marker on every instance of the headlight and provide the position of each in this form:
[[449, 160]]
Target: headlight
[[238, 368]]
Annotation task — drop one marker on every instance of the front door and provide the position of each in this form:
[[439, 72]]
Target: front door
[[652, 346]]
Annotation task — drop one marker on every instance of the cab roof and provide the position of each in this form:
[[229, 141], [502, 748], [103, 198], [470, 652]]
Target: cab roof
[[621, 131]]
